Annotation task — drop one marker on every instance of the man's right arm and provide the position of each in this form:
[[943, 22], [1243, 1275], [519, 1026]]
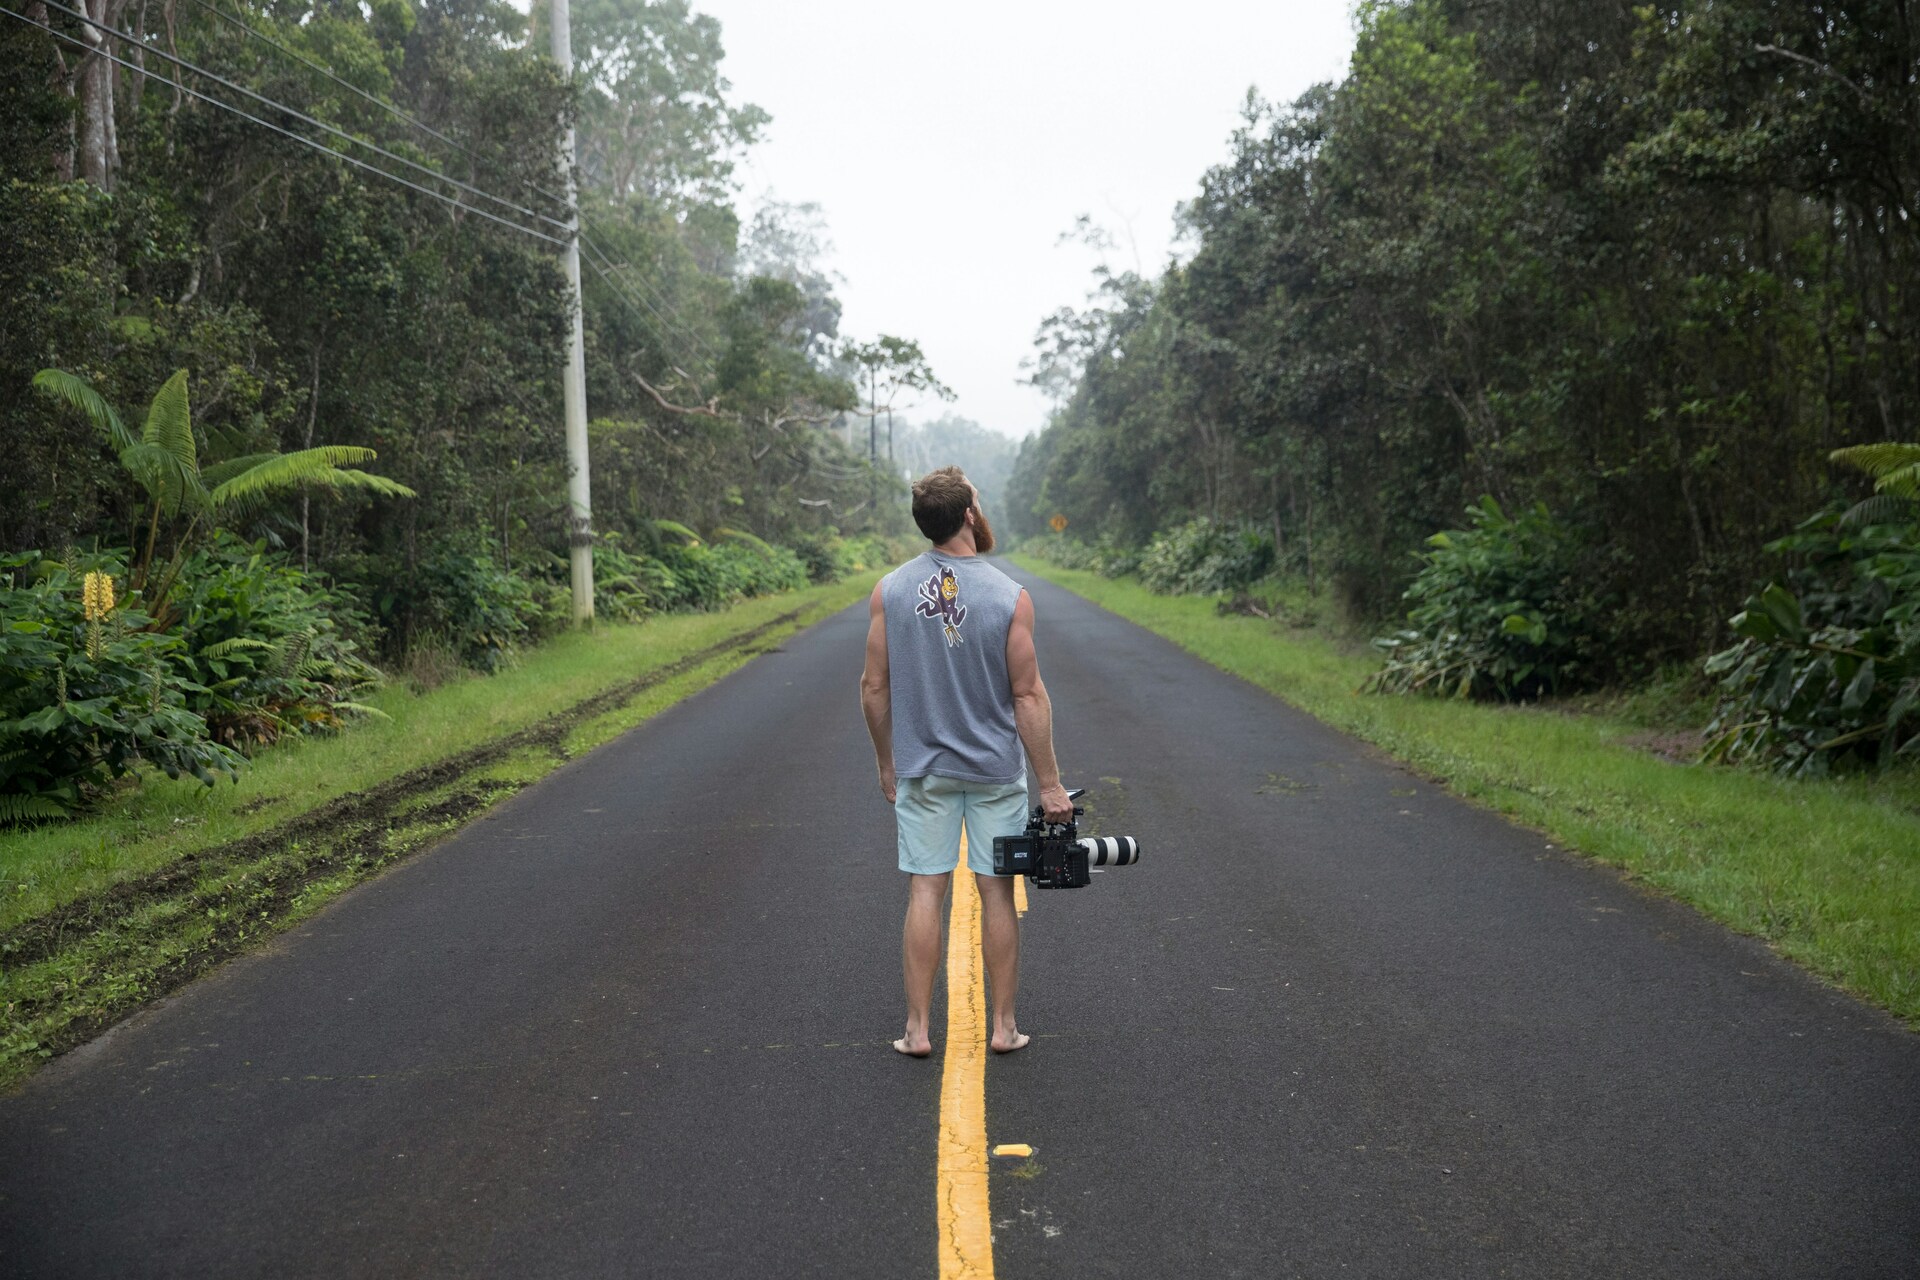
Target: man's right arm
[[1033, 712]]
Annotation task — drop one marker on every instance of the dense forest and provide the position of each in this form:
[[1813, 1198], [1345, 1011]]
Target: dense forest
[[316, 301], [1645, 266], [280, 360]]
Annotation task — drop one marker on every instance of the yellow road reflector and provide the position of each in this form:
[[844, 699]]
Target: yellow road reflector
[[966, 1229], [1013, 1149]]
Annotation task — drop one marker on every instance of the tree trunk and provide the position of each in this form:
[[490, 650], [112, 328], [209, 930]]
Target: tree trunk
[[99, 147]]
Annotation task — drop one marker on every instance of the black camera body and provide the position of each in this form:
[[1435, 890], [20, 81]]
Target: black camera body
[[1054, 855]]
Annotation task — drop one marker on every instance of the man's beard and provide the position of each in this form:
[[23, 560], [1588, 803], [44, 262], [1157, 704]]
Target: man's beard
[[982, 531]]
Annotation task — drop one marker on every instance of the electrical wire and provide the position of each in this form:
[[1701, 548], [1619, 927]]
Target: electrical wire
[[297, 137], [291, 111], [605, 269], [586, 237], [641, 279], [602, 263], [375, 99]]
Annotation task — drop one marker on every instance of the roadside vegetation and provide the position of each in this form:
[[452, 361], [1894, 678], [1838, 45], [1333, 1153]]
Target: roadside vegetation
[[163, 880], [1827, 871], [1551, 350], [284, 537]]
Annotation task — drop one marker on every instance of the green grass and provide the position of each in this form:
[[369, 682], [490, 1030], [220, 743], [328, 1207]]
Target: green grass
[[1827, 872], [162, 820], [102, 915]]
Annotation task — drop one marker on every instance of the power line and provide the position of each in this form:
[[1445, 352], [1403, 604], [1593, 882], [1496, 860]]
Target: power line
[[604, 268], [375, 99], [266, 124], [416, 123], [657, 293], [294, 112], [586, 238]]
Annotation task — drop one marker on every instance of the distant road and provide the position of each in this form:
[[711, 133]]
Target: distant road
[[635, 1023]]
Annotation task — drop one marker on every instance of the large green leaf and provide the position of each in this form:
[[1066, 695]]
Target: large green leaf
[[320, 467], [1894, 466], [79, 393], [165, 478], [170, 421]]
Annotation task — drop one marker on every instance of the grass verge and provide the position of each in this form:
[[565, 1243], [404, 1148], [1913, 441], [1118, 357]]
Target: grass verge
[[1828, 872], [102, 915]]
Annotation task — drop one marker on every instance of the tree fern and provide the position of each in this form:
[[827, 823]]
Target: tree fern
[[1895, 467], [79, 393], [758, 544], [678, 530], [170, 423], [320, 467]]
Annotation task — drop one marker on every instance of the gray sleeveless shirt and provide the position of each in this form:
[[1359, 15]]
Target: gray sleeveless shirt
[[947, 621]]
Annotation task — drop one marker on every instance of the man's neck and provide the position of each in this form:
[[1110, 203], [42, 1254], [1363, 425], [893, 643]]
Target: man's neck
[[959, 545]]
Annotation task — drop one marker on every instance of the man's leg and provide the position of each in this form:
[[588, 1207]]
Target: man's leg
[[1000, 944], [920, 956]]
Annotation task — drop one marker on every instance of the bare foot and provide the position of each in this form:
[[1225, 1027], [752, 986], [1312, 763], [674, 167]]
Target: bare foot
[[922, 1050], [1008, 1044]]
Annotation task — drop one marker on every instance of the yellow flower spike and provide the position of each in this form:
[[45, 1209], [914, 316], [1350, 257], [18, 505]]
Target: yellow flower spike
[[96, 595]]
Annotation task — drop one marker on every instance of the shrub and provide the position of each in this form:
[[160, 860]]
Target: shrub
[[484, 611], [1107, 558], [1496, 613], [1826, 673], [266, 643], [86, 694], [1202, 558], [625, 584], [694, 576], [817, 555], [867, 553]]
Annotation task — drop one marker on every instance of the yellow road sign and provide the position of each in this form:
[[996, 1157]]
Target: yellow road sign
[[1058, 524]]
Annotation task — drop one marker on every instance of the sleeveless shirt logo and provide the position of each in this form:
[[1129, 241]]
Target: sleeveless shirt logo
[[940, 598]]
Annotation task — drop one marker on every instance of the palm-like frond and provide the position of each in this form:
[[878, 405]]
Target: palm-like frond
[[164, 476], [1881, 508], [678, 530], [221, 472], [740, 535], [322, 466], [170, 421], [377, 484], [1895, 467], [79, 393], [226, 648]]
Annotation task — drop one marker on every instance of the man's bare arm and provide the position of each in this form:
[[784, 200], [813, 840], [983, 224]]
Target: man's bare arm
[[1033, 711], [876, 693]]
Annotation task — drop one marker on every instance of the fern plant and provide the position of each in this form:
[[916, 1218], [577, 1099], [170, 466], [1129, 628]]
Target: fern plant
[[1895, 469], [194, 501]]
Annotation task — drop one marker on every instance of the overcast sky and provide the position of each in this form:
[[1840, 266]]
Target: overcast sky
[[950, 144]]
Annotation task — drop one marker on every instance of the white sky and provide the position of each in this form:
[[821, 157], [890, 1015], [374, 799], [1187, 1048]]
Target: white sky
[[950, 144]]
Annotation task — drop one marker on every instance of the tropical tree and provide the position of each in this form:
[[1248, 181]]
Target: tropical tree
[[194, 501]]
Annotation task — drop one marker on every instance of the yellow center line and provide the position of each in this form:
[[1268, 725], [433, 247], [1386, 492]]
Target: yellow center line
[[966, 1230], [1020, 895]]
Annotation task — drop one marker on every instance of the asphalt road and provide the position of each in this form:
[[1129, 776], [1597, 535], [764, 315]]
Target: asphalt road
[[635, 1022]]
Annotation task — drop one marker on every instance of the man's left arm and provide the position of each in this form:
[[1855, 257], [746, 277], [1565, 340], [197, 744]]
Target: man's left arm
[[876, 692]]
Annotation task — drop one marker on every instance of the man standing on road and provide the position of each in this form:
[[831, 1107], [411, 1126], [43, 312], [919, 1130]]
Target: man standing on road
[[951, 691]]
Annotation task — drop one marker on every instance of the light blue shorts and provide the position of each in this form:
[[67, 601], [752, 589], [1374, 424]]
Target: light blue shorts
[[929, 812]]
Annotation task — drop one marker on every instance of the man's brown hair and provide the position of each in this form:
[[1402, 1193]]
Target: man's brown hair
[[940, 502]]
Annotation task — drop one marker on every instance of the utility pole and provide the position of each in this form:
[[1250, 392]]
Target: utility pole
[[579, 490], [873, 438]]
